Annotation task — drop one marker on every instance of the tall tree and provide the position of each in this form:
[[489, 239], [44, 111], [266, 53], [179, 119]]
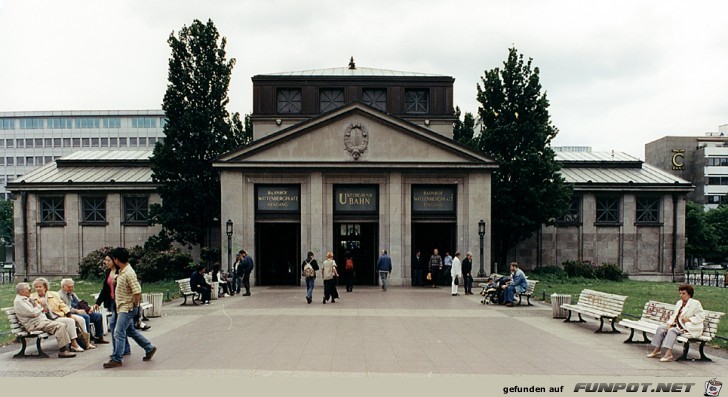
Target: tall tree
[[463, 129], [198, 130], [717, 218], [528, 190]]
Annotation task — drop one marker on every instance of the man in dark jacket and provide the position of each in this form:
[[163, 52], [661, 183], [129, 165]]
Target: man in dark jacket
[[198, 284], [417, 269], [246, 266], [384, 266]]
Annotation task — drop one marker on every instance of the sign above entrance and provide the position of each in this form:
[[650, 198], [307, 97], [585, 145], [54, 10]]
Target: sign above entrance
[[355, 199], [277, 198], [433, 198]]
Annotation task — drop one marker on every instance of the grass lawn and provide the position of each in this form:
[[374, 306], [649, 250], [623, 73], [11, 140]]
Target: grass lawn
[[84, 290], [639, 292]]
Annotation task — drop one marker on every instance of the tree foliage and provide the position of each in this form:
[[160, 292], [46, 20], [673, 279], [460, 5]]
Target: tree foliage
[[6, 221], [701, 238], [464, 129], [717, 218], [198, 130], [528, 190]]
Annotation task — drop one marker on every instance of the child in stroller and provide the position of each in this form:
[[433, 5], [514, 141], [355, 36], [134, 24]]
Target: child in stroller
[[492, 290]]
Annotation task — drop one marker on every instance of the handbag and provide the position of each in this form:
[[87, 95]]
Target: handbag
[[456, 281], [84, 338]]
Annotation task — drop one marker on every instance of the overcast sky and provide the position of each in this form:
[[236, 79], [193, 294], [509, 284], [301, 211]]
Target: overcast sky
[[618, 74]]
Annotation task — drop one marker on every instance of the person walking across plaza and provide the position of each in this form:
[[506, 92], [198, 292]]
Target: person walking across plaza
[[417, 269], [309, 267], [128, 294], [435, 267], [247, 267], [384, 266], [329, 274], [445, 278], [467, 273], [349, 272], [456, 274]]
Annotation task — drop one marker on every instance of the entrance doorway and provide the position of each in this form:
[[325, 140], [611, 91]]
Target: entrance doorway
[[360, 240], [276, 245], [426, 236]]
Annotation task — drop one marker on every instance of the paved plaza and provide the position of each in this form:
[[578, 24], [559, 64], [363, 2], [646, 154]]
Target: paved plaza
[[406, 332]]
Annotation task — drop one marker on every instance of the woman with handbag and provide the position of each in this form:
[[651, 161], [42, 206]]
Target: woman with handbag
[[456, 272], [329, 273]]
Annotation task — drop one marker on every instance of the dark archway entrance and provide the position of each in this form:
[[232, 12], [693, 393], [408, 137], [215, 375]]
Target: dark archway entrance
[[277, 250], [360, 239]]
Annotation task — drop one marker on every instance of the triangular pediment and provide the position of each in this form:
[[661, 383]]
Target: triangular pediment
[[355, 135]]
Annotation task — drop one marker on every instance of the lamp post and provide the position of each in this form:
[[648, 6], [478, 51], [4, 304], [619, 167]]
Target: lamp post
[[229, 231], [481, 233]]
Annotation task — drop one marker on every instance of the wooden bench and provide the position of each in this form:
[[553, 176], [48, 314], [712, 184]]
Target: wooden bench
[[528, 293], [657, 313], [186, 290], [599, 305], [21, 334]]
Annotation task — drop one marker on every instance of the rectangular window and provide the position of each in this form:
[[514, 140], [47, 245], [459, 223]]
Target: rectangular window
[[76, 142], [20, 161], [10, 161], [2, 160], [162, 122], [39, 160], [712, 199], [112, 122], [30, 161], [7, 124], [608, 209], [714, 180], [288, 100], [122, 142], [104, 142], [573, 213], [87, 122], [2, 181], [60, 123], [29, 142], [31, 124], [56, 142], [375, 97], [66, 142], [142, 142], [86, 142], [48, 142], [9, 143], [52, 210], [19, 143], [648, 210], [132, 142], [93, 209], [330, 99], [417, 101], [144, 122], [38, 142], [114, 142], [136, 209], [47, 159], [152, 141], [94, 142]]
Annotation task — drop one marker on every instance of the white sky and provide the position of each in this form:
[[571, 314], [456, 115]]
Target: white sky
[[618, 74]]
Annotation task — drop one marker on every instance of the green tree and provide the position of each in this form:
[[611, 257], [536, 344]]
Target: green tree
[[6, 221], [198, 130], [463, 130], [528, 189], [717, 218], [701, 236]]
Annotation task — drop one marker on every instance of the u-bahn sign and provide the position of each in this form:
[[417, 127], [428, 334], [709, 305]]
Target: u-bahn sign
[[278, 198], [433, 198], [355, 198]]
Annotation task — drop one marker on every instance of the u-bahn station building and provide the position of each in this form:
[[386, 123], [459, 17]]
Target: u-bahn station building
[[356, 161]]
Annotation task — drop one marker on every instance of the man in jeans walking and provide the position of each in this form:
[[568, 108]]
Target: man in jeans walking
[[128, 294], [384, 266]]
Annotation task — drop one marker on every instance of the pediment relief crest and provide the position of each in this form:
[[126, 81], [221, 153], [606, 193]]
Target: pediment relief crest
[[356, 139]]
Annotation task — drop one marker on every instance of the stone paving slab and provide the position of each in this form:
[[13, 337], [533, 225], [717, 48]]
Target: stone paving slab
[[406, 332]]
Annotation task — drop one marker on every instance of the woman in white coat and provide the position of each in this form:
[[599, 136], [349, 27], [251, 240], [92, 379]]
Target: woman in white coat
[[687, 319], [456, 272]]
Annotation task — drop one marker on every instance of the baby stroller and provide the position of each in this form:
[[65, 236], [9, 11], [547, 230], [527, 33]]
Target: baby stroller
[[492, 291]]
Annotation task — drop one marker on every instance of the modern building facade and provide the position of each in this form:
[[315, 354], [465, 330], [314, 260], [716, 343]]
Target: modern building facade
[[623, 211], [703, 160], [353, 161], [32, 139]]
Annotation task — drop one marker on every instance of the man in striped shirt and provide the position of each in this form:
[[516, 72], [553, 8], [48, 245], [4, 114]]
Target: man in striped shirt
[[128, 294]]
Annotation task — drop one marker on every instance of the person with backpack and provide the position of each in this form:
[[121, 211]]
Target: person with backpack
[[349, 273], [309, 267]]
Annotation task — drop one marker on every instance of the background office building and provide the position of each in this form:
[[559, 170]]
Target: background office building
[[703, 160], [33, 139]]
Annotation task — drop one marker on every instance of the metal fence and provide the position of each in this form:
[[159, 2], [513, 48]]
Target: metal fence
[[7, 272], [708, 278]]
